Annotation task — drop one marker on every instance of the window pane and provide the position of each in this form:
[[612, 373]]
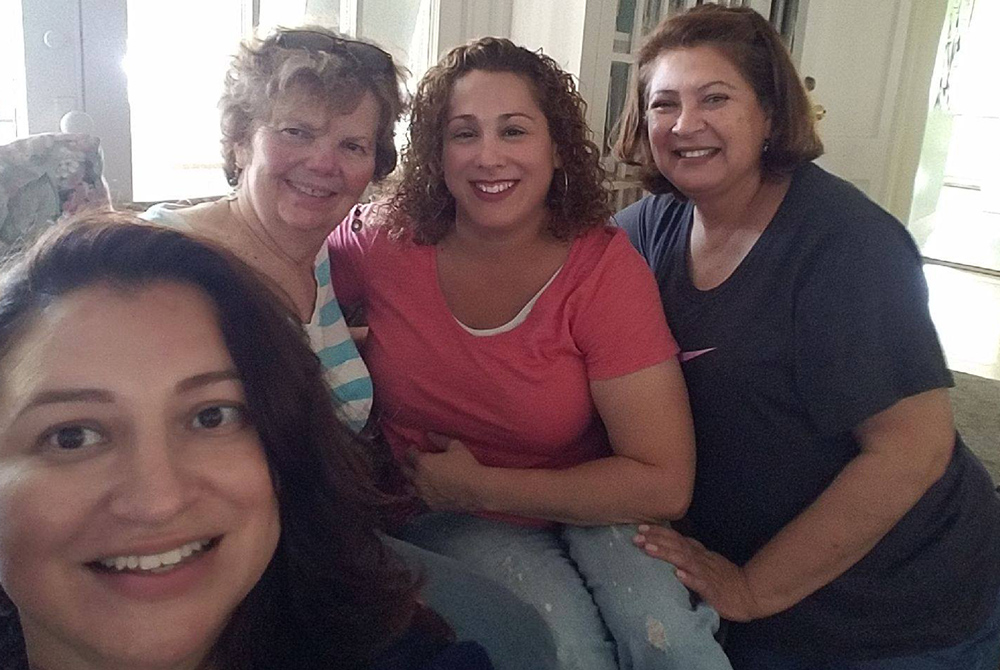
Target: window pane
[[624, 23], [651, 16], [401, 27], [290, 13], [173, 94], [617, 90]]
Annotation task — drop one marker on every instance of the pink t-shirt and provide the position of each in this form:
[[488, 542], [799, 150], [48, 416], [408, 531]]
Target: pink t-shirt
[[517, 399]]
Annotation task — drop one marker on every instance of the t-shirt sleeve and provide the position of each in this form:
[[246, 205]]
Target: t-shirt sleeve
[[863, 333], [348, 256], [620, 327], [633, 220]]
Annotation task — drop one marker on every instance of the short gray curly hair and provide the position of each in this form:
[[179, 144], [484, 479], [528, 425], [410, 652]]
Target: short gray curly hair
[[335, 69]]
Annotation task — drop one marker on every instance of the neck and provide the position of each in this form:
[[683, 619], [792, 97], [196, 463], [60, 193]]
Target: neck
[[259, 239], [731, 208], [491, 243], [64, 659]]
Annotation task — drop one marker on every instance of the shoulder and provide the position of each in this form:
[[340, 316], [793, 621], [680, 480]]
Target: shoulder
[[603, 266], [652, 222], [365, 229], [168, 215], [835, 217], [650, 211], [601, 246]]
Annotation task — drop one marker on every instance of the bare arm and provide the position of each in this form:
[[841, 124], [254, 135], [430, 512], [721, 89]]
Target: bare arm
[[904, 450], [649, 477]]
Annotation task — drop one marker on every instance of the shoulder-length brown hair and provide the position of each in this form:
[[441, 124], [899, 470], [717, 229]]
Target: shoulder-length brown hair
[[756, 50], [332, 594], [578, 199]]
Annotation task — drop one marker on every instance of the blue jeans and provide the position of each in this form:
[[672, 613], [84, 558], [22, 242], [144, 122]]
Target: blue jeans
[[979, 652], [514, 635], [608, 605]]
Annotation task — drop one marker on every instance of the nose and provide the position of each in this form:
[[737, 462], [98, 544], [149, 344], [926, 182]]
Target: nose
[[153, 487], [323, 158], [689, 120], [490, 152]]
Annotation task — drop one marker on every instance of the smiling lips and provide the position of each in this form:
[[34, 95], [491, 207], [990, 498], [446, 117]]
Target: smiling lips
[[155, 563], [695, 153], [493, 187], [312, 191]]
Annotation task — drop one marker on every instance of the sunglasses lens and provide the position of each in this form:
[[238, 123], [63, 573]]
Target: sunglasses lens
[[368, 56]]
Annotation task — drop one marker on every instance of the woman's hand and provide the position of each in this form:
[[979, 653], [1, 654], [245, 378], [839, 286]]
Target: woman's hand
[[720, 583], [447, 479]]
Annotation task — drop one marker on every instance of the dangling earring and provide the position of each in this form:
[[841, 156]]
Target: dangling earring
[[766, 147], [356, 223]]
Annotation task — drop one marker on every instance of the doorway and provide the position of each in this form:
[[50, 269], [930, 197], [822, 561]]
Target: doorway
[[955, 214]]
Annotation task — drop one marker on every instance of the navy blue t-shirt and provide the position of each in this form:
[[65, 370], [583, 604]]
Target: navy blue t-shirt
[[822, 325]]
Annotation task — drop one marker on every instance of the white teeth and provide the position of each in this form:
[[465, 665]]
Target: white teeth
[[309, 190], [695, 154], [154, 561], [494, 187]]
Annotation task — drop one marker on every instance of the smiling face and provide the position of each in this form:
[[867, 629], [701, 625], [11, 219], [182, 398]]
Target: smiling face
[[137, 505], [309, 165], [498, 154], [706, 126]]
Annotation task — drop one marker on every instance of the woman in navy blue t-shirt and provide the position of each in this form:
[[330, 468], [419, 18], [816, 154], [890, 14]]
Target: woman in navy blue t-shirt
[[838, 520]]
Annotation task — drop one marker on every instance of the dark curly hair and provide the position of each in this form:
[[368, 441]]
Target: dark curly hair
[[332, 594], [755, 49], [424, 209], [336, 70]]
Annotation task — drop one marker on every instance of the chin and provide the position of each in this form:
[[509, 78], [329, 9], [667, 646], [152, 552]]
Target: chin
[[155, 646]]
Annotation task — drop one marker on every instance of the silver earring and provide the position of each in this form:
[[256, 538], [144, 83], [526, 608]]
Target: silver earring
[[767, 146]]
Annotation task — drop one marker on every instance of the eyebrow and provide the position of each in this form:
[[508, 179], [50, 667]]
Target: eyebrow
[[207, 379], [700, 88], [503, 117], [94, 395], [57, 396]]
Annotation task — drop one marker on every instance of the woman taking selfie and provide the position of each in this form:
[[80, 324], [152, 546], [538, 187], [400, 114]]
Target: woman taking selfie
[[169, 498]]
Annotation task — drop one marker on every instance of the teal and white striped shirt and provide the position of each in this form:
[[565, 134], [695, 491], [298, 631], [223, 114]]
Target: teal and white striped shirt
[[345, 372]]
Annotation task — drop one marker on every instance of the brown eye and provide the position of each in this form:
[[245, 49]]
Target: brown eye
[[217, 416], [71, 438]]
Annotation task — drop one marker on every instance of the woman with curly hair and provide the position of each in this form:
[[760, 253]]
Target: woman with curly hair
[[169, 497], [520, 355]]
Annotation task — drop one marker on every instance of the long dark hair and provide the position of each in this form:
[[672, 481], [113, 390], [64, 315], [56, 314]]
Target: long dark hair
[[332, 595]]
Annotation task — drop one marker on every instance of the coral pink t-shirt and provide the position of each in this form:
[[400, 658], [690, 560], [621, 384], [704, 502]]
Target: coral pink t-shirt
[[517, 399]]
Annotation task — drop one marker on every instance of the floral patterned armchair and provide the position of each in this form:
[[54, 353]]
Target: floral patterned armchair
[[43, 177]]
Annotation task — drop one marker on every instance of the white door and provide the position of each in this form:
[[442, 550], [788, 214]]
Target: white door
[[853, 49]]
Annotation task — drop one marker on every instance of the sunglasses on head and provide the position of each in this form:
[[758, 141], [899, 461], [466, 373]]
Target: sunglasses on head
[[365, 56]]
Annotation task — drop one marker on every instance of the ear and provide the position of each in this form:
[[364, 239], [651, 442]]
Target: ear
[[243, 153], [556, 159]]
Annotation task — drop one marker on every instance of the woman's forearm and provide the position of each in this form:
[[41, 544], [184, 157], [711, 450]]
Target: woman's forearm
[[901, 459], [615, 489]]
